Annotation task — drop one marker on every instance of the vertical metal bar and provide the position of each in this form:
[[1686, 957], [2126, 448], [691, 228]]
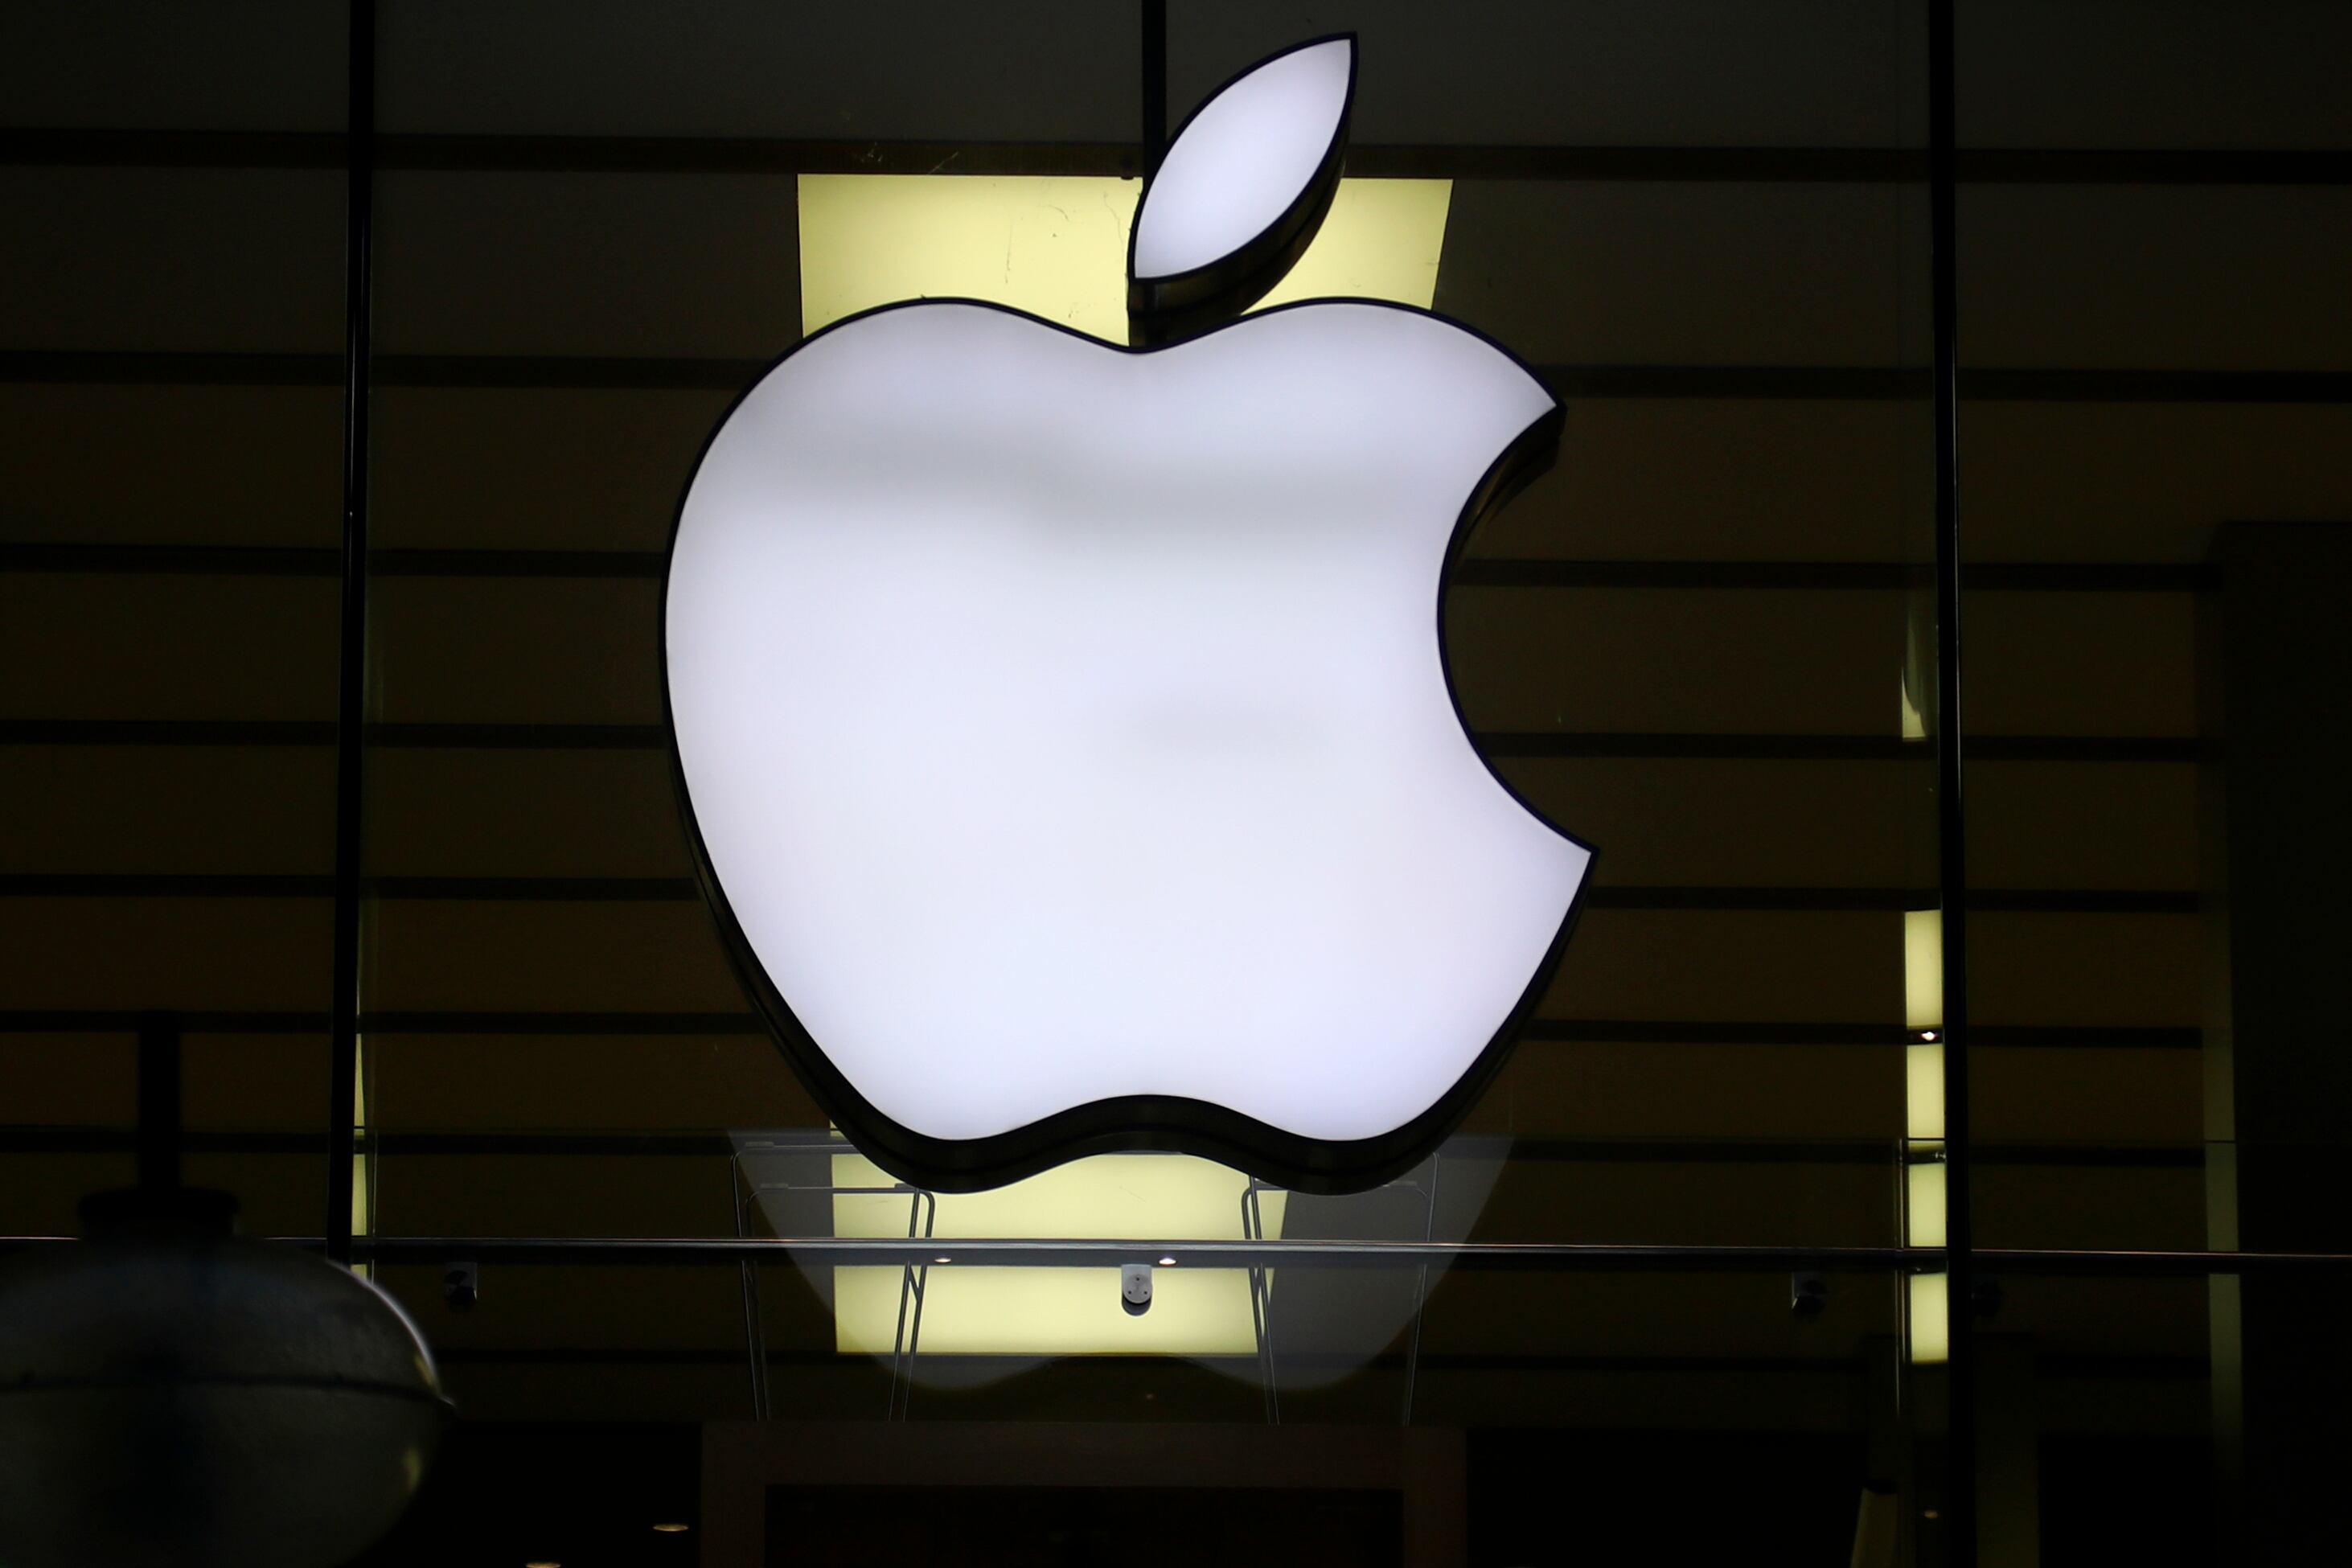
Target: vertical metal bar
[[1261, 1305], [1420, 1289], [351, 685], [910, 1292], [755, 1334], [922, 1285], [159, 1102], [1155, 85], [1951, 821]]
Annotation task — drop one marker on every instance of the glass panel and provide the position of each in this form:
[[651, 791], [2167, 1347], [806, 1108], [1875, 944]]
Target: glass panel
[[2115, 457], [1701, 642], [172, 209], [2097, 1409], [1697, 641], [1705, 641], [1668, 644], [2153, 359], [1594, 1393]]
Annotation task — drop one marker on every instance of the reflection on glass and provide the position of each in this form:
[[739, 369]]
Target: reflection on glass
[[974, 1310], [949, 1322]]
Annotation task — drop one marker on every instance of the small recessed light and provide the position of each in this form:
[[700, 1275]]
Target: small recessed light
[[670, 1528], [542, 1565], [1928, 1034], [1929, 1513], [943, 1260], [1167, 1263]]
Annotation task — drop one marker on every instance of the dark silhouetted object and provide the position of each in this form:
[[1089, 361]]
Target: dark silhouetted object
[[171, 1394], [461, 1285]]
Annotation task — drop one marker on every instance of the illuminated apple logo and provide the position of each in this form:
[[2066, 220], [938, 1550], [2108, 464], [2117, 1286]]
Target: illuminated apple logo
[[1064, 729]]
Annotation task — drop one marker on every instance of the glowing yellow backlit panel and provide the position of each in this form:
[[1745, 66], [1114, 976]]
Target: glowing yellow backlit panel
[[1923, 1193], [1930, 1322], [1151, 1199], [1923, 1091], [1381, 241], [1057, 246], [1923, 969]]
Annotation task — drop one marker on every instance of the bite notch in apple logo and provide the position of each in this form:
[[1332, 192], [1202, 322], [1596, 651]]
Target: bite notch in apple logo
[[1063, 729]]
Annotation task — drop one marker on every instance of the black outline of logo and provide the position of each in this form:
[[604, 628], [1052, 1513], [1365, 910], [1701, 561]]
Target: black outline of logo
[[1166, 1123]]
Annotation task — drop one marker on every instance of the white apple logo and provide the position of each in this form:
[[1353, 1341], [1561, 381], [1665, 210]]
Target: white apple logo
[[1063, 728]]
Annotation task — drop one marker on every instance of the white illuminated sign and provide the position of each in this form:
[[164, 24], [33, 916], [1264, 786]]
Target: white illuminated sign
[[1066, 729], [1244, 159]]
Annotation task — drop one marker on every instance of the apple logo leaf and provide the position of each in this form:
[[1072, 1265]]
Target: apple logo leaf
[[1241, 191]]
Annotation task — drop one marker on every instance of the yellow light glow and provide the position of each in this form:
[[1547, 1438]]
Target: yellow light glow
[[1930, 1319], [968, 1309], [1381, 240], [1047, 1312], [1923, 969], [1922, 1203], [1057, 246], [1923, 1091]]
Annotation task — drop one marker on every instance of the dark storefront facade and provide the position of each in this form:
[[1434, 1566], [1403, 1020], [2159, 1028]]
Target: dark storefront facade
[[1717, 1263]]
